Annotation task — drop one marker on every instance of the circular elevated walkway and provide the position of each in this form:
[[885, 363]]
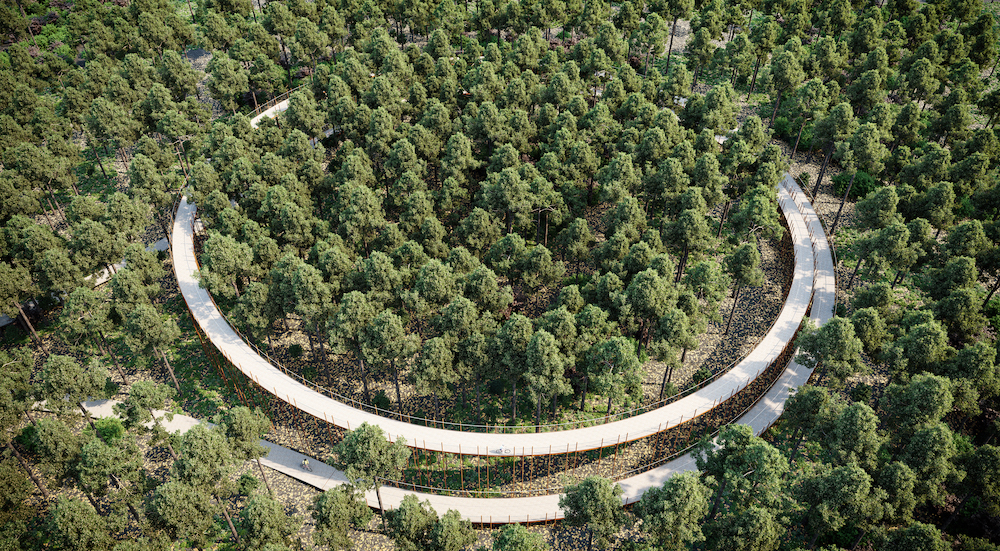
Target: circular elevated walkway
[[321, 406], [813, 284]]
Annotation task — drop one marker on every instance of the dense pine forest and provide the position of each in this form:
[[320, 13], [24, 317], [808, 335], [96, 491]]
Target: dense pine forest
[[521, 216]]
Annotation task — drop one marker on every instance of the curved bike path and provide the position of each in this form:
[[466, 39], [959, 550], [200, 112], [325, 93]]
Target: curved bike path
[[321, 406], [814, 276]]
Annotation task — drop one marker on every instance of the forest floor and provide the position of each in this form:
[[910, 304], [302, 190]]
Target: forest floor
[[757, 309]]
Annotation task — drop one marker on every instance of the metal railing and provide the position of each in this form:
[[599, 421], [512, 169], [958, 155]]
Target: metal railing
[[493, 428], [276, 100], [783, 359]]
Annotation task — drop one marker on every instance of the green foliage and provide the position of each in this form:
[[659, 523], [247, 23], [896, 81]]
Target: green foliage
[[863, 184], [263, 522], [366, 457], [27, 438], [784, 129], [596, 504], [73, 524], [247, 484], [17, 490], [334, 511], [703, 374], [110, 429], [490, 156], [411, 523], [381, 400], [861, 392], [515, 537], [671, 514]]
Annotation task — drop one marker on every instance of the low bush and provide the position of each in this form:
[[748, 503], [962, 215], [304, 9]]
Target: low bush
[[863, 184], [701, 375], [247, 484]]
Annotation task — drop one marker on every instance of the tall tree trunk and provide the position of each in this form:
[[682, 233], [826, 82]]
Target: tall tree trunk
[[312, 343], [670, 49], [797, 436], [753, 81], [774, 113], [958, 510], [722, 220], [364, 375], [538, 228], [288, 59], [797, 138], [437, 410], [52, 223], [56, 202], [736, 299], [114, 357], [229, 520], [666, 379], [993, 290], [538, 415], [264, 478], [170, 448], [395, 380], [53, 210], [27, 469], [854, 273], [180, 160], [135, 514], [28, 25], [513, 410], [169, 369], [836, 220], [899, 278], [38, 340], [863, 533], [607, 415], [479, 403], [86, 416], [583, 395], [93, 503], [812, 542], [822, 171], [717, 500], [682, 265], [381, 509]]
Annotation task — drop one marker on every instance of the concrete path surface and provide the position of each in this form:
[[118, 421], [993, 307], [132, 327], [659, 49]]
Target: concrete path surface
[[813, 281], [341, 414], [814, 284]]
